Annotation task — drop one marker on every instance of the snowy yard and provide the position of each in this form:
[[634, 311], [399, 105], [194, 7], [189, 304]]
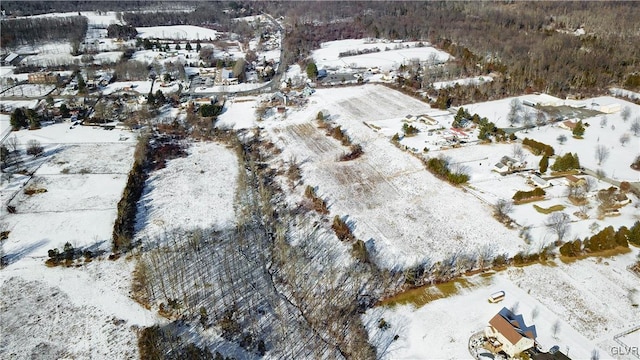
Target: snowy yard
[[177, 32], [590, 300]]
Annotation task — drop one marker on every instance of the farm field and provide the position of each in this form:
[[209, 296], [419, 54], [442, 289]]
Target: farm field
[[196, 191], [177, 32], [389, 57], [83, 171], [590, 300], [403, 213]]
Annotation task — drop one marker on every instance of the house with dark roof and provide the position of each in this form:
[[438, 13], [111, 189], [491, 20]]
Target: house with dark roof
[[508, 333]]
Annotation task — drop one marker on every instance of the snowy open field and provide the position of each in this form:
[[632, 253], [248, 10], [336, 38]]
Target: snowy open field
[[590, 299], [390, 56], [197, 191], [402, 211], [29, 90], [74, 312], [177, 32]]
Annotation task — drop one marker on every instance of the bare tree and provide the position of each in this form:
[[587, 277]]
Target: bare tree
[[626, 113], [517, 152], [558, 223], [635, 126], [534, 312], [527, 120], [590, 183], [503, 208], [562, 139], [603, 121], [541, 119], [555, 328], [514, 112], [606, 199], [624, 139], [602, 153]]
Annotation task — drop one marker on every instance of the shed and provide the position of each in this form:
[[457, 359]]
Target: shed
[[610, 108]]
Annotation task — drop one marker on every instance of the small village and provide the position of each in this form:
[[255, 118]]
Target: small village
[[218, 178]]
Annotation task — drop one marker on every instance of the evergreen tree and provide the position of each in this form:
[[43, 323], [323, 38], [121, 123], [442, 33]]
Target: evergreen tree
[[18, 119], [178, 46], [188, 46], [544, 164], [198, 46], [312, 70], [82, 86], [578, 130]]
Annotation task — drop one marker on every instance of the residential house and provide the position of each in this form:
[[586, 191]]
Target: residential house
[[500, 168], [512, 163], [568, 125], [43, 78], [573, 180], [537, 181], [507, 333]]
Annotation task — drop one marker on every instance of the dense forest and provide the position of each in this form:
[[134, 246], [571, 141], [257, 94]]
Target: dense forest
[[535, 47], [32, 30]]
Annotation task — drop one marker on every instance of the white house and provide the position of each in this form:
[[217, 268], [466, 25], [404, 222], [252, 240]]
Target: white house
[[507, 333], [610, 108], [500, 168], [537, 181]]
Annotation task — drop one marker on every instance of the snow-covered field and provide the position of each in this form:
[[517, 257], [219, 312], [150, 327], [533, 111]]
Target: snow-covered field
[[591, 300], [177, 32], [390, 56], [197, 191], [68, 312], [402, 211], [462, 82], [29, 90]]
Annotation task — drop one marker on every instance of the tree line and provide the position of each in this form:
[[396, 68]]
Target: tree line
[[16, 32]]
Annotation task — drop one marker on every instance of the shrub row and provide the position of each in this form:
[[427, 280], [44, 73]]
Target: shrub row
[[440, 168], [355, 151], [538, 148], [319, 204], [525, 195], [342, 229], [123, 227], [606, 239], [566, 162]]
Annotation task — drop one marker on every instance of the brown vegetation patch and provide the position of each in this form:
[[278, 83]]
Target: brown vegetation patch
[[31, 191]]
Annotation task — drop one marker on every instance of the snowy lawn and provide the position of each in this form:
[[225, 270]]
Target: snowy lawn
[[620, 156], [591, 300], [197, 191]]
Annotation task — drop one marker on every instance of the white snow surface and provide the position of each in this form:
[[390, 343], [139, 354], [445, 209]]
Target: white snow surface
[[588, 298], [177, 32], [390, 57], [79, 311], [401, 210], [197, 191]]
